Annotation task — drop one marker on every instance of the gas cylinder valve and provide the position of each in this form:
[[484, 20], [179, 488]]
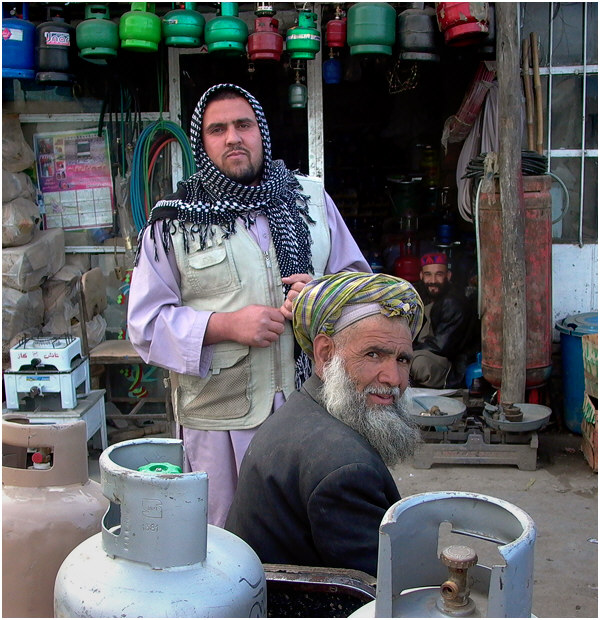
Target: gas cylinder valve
[[455, 599]]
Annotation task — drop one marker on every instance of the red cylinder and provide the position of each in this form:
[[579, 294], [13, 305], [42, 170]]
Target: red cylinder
[[335, 33], [463, 23], [538, 281], [265, 43], [408, 268]]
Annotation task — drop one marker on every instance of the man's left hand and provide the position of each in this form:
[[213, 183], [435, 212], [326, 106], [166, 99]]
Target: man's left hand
[[297, 281]]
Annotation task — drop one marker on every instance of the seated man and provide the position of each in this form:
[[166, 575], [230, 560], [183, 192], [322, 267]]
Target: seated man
[[437, 359], [314, 485]]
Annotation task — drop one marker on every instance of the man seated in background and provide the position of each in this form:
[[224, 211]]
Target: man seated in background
[[441, 347], [314, 485]]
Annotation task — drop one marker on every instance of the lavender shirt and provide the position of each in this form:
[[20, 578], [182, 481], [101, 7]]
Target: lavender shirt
[[170, 335]]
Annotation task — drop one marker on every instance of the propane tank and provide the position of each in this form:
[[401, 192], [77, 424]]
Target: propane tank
[[183, 27], [304, 41], [414, 582], [371, 28], [265, 43], [227, 34], [538, 281], [140, 28], [18, 43], [332, 69], [417, 34], [49, 506], [156, 556], [54, 49], [336, 29], [97, 35], [463, 23]]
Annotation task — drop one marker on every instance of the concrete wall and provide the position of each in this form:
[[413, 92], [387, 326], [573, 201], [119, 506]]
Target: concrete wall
[[574, 280]]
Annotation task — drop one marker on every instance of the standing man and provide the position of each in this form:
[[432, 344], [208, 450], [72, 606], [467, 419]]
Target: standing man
[[444, 334], [219, 264], [314, 485]]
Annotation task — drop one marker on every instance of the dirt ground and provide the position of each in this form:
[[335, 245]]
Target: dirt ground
[[561, 496]]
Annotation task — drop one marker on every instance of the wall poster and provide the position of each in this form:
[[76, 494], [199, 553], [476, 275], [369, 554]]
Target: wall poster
[[74, 177]]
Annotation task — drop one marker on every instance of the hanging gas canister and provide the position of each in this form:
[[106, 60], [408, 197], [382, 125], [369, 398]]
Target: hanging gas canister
[[538, 281], [156, 556], [49, 506], [140, 28], [227, 34], [332, 69], [463, 23], [371, 28], [336, 29], [265, 43], [97, 35], [417, 35], [54, 48], [183, 27], [18, 45], [303, 41]]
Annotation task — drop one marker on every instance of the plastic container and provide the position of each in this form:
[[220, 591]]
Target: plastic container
[[572, 329]]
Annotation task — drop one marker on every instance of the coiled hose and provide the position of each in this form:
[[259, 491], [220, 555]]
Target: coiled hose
[[150, 144]]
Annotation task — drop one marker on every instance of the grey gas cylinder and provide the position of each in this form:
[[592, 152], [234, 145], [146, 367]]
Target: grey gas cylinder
[[156, 555], [415, 581]]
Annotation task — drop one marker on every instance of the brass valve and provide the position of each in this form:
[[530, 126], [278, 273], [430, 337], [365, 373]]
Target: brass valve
[[455, 599]]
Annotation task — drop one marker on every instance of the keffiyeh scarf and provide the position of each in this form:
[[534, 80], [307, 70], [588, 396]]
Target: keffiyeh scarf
[[209, 200]]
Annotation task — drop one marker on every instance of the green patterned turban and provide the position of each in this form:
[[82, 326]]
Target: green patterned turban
[[329, 303]]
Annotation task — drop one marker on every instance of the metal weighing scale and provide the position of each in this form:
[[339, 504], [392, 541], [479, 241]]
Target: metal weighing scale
[[452, 434]]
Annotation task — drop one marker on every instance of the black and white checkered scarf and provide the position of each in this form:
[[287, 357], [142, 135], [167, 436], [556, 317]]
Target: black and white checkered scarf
[[209, 200]]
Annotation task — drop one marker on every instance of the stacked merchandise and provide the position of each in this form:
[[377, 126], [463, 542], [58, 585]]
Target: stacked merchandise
[[589, 423]]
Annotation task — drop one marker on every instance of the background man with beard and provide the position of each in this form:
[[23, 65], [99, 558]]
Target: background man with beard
[[314, 485], [438, 359]]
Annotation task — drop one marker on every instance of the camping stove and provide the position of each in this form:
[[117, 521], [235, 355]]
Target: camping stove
[[457, 432], [43, 365]]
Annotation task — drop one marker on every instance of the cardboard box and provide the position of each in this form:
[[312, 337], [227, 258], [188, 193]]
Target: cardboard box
[[589, 431], [589, 346]]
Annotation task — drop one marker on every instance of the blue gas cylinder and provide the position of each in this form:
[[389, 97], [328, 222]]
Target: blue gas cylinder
[[332, 71], [18, 45]]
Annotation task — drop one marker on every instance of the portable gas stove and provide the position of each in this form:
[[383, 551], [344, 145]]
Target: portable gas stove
[[45, 365], [481, 435]]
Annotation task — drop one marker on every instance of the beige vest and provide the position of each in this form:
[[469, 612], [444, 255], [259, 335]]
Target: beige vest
[[227, 275]]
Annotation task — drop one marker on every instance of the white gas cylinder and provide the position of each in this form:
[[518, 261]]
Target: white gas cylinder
[[156, 555]]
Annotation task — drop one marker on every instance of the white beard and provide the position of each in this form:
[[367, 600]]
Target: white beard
[[388, 428]]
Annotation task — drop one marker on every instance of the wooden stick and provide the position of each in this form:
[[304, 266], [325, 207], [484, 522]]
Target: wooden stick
[[537, 87], [528, 89], [512, 293]]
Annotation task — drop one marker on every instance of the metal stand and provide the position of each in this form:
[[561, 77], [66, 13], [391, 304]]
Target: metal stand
[[474, 448]]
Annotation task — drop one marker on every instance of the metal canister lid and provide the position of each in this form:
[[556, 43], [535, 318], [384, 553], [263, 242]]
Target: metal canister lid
[[579, 324]]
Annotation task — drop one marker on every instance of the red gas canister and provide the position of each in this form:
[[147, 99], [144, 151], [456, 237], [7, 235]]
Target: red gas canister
[[538, 281], [265, 43], [463, 23], [335, 33]]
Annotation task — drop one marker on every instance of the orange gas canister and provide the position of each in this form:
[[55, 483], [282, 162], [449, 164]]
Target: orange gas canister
[[538, 281], [49, 506]]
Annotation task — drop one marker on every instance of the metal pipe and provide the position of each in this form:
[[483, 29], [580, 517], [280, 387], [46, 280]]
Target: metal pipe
[[583, 96]]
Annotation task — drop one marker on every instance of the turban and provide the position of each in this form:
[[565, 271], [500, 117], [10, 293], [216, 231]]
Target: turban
[[329, 303], [434, 258]]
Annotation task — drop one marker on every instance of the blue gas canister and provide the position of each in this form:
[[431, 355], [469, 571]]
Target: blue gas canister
[[18, 45]]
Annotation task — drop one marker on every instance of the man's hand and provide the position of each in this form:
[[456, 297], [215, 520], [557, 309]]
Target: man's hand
[[255, 326], [298, 281]]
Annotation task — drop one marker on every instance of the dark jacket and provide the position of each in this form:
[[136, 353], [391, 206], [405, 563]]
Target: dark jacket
[[450, 320], [311, 490]]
